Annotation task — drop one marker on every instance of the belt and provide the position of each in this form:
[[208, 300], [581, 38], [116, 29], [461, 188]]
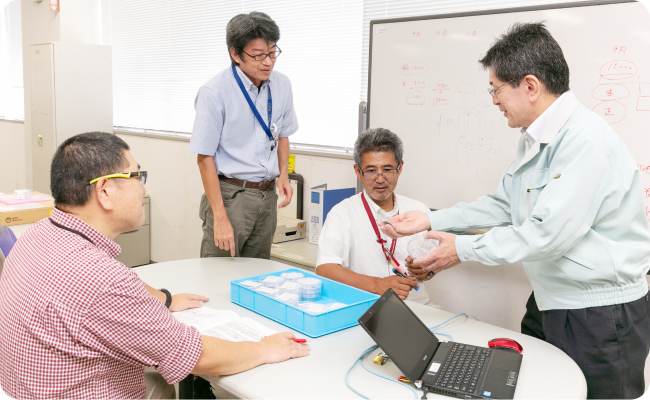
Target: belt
[[264, 185]]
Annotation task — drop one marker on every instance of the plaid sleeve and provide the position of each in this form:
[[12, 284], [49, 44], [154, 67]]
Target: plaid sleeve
[[126, 323]]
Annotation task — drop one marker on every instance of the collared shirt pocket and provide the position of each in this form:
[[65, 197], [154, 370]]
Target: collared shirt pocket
[[278, 125]]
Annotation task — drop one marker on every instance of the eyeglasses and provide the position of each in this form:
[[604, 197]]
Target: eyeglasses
[[372, 175], [142, 176], [493, 91], [262, 57]]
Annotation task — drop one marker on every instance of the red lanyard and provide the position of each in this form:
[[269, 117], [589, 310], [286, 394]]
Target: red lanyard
[[389, 255]]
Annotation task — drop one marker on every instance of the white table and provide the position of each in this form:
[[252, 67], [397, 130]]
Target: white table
[[546, 372]]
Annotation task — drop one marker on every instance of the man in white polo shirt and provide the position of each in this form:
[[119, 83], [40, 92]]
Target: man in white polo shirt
[[351, 247]]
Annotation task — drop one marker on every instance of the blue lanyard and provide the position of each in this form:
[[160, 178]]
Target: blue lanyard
[[266, 127]]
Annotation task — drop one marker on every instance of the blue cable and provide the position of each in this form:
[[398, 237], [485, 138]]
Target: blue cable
[[391, 379], [350, 369], [447, 320], [360, 360]]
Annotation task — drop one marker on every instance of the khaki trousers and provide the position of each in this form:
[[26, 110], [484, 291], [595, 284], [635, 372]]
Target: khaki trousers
[[253, 214]]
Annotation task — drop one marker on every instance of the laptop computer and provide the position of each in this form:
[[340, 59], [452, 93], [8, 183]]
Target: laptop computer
[[449, 368]]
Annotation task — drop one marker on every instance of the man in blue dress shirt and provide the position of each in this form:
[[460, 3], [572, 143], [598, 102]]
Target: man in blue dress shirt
[[244, 117]]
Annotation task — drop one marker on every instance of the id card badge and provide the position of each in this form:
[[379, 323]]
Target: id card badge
[[276, 133]]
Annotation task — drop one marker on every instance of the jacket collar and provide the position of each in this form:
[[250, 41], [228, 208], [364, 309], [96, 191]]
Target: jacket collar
[[555, 122]]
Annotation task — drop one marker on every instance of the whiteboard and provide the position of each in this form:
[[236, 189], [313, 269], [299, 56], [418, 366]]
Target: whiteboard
[[426, 85]]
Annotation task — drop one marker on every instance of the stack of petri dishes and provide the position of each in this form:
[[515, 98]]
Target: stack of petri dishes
[[273, 281], [292, 276], [290, 287], [310, 289], [289, 298]]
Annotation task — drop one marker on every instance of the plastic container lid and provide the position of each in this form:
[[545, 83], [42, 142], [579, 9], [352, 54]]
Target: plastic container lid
[[292, 276], [273, 281], [290, 298], [314, 308], [290, 287], [271, 292], [336, 306], [251, 284]]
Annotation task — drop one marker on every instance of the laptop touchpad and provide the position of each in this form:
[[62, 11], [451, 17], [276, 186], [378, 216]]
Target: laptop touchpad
[[496, 383]]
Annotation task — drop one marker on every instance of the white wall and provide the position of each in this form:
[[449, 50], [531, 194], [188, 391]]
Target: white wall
[[493, 294]]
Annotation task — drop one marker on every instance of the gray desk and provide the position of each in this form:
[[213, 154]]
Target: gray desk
[[546, 372]]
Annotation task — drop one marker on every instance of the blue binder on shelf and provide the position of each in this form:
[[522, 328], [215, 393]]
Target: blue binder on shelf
[[322, 201]]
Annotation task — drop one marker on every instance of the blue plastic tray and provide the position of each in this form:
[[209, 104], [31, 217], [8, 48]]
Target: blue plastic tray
[[358, 302]]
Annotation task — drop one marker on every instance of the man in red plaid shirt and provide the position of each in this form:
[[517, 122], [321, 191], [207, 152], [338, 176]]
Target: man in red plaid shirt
[[75, 322]]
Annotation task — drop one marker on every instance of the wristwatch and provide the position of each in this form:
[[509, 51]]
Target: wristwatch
[[430, 274], [168, 299]]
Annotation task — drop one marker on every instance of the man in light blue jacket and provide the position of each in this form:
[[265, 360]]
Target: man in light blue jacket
[[573, 206]]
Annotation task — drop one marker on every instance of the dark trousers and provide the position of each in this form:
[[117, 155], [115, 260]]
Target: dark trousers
[[610, 344]]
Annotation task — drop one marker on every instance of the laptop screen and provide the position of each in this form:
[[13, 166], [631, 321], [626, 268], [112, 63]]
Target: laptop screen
[[400, 334]]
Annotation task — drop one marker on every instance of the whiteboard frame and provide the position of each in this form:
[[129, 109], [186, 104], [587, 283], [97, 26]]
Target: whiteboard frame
[[471, 14]]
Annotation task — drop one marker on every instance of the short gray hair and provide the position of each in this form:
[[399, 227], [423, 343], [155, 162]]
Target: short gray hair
[[243, 28], [378, 139]]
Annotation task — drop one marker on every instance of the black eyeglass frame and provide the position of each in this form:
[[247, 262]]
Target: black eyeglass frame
[[255, 57]]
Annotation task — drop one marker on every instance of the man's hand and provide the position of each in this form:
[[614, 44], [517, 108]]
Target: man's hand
[[280, 347], [444, 256], [416, 270], [401, 286], [185, 301], [409, 223], [224, 235], [284, 189]]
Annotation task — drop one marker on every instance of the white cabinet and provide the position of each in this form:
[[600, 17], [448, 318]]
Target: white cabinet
[[71, 93]]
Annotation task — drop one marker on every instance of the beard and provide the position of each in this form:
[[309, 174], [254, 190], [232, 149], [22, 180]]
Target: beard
[[380, 198]]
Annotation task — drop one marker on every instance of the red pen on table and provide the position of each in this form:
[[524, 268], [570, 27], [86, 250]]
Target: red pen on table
[[300, 340]]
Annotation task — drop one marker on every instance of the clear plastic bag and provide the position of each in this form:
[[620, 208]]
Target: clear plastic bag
[[419, 247]]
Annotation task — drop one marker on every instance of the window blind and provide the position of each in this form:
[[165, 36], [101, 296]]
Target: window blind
[[164, 50], [386, 9], [11, 62]]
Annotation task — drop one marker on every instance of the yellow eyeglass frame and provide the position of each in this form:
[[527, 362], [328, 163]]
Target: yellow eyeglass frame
[[142, 175]]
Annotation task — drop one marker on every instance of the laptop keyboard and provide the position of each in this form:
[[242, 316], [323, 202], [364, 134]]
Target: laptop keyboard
[[462, 367]]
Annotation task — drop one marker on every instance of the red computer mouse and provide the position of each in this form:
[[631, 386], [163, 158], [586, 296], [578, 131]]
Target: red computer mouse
[[505, 343]]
